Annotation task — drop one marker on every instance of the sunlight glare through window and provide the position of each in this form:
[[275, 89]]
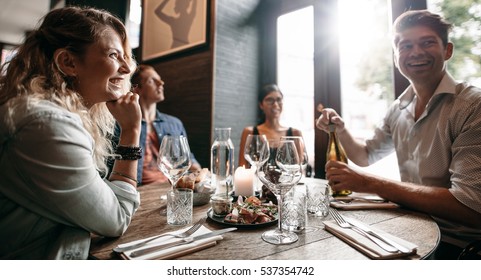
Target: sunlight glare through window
[[295, 47], [133, 23], [366, 71]]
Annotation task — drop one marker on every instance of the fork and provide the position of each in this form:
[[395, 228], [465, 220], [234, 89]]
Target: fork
[[184, 234], [344, 224]]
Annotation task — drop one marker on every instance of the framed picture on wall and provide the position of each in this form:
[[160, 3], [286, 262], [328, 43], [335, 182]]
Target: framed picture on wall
[[172, 26]]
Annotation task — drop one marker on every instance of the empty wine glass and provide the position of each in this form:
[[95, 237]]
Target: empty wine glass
[[301, 148], [280, 174], [256, 152], [174, 157]]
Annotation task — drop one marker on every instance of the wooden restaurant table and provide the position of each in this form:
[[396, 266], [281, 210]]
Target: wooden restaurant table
[[246, 244]]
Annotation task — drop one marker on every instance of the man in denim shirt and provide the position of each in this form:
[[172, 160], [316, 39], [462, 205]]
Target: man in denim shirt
[[150, 87]]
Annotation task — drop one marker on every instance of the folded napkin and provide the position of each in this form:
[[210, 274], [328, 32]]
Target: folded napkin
[[366, 246], [173, 252], [357, 201]]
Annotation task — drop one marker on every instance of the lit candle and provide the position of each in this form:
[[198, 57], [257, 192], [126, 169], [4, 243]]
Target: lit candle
[[244, 181]]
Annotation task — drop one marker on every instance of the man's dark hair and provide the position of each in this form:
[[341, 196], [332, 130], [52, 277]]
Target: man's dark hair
[[422, 18], [136, 79]]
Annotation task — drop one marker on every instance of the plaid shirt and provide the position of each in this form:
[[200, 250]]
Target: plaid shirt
[[442, 148]]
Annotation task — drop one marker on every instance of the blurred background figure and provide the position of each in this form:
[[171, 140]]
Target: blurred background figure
[[148, 84], [270, 102]]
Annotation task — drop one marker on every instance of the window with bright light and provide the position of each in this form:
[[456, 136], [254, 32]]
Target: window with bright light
[[295, 72], [133, 23], [366, 71]]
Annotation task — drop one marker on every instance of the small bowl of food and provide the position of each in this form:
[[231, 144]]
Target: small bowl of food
[[199, 182], [221, 205]]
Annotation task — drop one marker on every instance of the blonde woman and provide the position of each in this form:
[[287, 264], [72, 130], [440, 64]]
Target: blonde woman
[[59, 99]]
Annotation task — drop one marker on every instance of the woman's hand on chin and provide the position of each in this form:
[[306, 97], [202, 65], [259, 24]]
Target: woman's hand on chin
[[126, 110]]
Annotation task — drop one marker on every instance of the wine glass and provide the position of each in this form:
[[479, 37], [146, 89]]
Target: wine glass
[[174, 158], [256, 152], [301, 149], [280, 174]]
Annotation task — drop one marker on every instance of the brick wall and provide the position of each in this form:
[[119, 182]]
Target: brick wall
[[236, 65]]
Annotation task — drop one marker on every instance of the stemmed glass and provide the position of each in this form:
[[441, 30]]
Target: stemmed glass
[[174, 157], [256, 152], [301, 149], [280, 174]]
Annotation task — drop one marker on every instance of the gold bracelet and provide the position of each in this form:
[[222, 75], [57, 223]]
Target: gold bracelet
[[125, 176]]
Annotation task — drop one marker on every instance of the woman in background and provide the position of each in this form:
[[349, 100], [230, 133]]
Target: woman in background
[[59, 100], [270, 102]]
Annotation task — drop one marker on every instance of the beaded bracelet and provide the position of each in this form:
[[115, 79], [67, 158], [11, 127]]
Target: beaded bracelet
[[125, 176], [128, 153]]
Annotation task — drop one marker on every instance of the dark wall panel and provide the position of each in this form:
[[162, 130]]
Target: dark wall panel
[[188, 96]]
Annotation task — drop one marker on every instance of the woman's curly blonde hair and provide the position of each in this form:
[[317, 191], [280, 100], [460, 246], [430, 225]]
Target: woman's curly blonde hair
[[33, 73]]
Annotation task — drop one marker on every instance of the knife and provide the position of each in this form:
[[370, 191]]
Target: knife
[[367, 198], [182, 241], [383, 238]]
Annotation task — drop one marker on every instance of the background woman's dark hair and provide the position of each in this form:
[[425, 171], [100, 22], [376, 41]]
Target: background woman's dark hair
[[266, 89]]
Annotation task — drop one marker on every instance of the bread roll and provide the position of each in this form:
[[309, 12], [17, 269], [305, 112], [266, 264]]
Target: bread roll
[[187, 181], [202, 175]]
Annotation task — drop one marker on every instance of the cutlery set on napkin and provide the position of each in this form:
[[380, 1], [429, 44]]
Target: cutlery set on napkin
[[373, 242], [169, 247], [358, 201]]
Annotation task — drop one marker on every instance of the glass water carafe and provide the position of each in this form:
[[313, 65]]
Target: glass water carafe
[[222, 161]]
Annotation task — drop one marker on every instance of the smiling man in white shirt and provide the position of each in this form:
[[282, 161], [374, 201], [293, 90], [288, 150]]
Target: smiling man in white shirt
[[435, 129]]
